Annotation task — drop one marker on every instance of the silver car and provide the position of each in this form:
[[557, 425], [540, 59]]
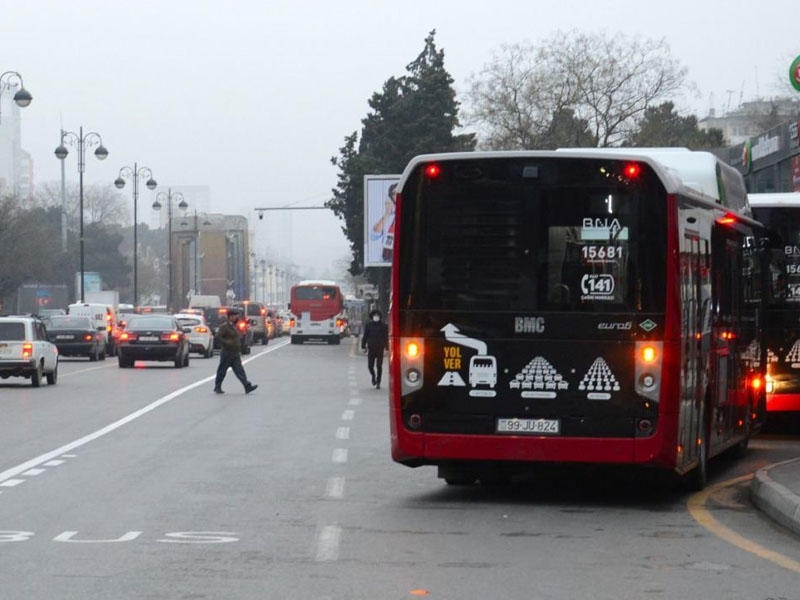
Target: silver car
[[26, 352]]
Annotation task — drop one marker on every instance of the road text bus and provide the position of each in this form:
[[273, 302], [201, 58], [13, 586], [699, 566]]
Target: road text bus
[[585, 306], [318, 308], [780, 213]]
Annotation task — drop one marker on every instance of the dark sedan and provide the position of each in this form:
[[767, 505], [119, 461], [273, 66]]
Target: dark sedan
[[153, 337], [76, 336]]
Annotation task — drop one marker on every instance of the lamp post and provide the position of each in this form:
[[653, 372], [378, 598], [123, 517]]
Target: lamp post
[[81, 142], [182, 204], [135, 174], [10, 80]]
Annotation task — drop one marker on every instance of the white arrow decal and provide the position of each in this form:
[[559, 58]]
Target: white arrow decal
[[451, 334]]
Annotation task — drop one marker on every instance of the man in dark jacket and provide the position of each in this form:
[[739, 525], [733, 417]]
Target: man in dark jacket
[[230, 354], [375, 340]]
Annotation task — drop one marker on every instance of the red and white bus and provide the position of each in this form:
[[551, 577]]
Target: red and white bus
[[584, 306], [318, 312], [780, 213]]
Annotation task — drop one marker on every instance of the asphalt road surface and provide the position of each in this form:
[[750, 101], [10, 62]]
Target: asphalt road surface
[[143, 483]]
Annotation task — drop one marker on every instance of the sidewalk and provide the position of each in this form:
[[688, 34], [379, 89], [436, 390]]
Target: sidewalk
[[776, 491]]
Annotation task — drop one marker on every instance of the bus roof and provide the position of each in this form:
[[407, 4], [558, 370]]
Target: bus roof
[[317, 282], [776, 199], [680, 170]]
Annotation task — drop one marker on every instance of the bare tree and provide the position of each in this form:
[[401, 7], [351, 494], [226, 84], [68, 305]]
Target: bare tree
[[101, 203], [605, 81]]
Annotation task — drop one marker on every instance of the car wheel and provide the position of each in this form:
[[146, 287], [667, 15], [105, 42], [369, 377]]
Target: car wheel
[[186, 359], [102, 355], [178, 360], [36, 376], [124, 363], [208, 352], [93, 355], [52, 377]]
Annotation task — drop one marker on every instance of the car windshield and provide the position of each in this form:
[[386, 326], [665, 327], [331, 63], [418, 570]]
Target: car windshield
[[189, 322], [67, 322], [150, 322], [12, 331]]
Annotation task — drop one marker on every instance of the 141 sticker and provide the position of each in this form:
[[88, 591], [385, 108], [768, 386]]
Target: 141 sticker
[[597, 285]]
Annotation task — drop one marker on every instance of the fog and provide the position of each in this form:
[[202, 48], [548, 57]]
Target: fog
[[252, 99]]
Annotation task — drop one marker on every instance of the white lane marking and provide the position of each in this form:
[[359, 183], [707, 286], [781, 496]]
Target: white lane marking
[[34, 472], [35, 462], [12, 482], [54, 463], [68, 535], [354, 402], [328, 543], [339, 455], [348, 415], [69, 456], [343, 433], [335, 487]]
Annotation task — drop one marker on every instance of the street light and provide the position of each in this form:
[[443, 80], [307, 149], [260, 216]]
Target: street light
[[182, 204], [135, 174], [90, 139], [10, 80]]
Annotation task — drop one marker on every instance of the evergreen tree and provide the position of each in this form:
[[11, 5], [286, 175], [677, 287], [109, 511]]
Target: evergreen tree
[[412, 114], [662, 126]]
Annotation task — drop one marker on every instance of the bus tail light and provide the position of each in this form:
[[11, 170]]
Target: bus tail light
[[755, 383], [770, 385], [412, 364], [649, 363]]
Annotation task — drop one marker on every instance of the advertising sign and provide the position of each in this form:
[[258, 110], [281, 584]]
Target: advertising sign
[[379, 199]]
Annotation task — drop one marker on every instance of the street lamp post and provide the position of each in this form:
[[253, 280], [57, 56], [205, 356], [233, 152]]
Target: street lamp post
[[182, 204], [81, 142], [135, 174], [10, 80]]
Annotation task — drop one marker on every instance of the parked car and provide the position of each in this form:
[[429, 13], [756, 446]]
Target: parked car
[[153, 337], [200, 338], [76, 335], [26, 352]]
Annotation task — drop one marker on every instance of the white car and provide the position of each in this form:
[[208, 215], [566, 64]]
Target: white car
[[199, 333], [26, 352]]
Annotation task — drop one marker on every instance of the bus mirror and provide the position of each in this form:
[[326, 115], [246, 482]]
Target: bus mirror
[[289, 305]]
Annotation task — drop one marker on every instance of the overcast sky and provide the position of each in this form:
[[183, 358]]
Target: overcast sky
[[252, 98]]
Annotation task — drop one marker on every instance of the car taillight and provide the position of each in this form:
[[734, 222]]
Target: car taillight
[[88, 337], [201, 329], [27, 350], [127, 336], [242, 325], [171, 337]]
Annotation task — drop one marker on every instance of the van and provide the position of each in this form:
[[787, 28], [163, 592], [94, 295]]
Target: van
[[104, 318], [256, 315]]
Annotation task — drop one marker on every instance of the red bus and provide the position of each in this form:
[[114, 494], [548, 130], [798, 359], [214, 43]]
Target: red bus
[[780, 213], [318, 312], [581, 306]]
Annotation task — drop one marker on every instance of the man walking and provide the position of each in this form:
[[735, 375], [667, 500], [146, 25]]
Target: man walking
[[375, 340], [230, 354]]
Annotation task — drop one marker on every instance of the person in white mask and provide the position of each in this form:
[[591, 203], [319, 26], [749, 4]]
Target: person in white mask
[[375, 342]]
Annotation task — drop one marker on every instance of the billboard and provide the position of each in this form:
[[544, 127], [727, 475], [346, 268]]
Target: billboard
[[379, 219]]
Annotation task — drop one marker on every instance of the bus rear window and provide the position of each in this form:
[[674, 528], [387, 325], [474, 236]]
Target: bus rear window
[[576, 236], [315, 293]]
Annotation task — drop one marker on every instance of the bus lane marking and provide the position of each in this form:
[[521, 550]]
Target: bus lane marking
[[697, 508], [335, 488], [339, 455], [343, 433]]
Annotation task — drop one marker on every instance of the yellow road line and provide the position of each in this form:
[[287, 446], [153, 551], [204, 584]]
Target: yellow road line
[[698, 510]]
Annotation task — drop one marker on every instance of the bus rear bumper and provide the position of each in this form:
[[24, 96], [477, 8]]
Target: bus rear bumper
[[416, 449], [783, 402]]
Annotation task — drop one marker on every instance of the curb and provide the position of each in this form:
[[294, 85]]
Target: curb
[[774, 499]]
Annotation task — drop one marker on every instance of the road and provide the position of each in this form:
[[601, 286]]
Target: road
[[142, 483]]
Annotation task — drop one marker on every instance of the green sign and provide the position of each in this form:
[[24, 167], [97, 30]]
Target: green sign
[[794, 74]]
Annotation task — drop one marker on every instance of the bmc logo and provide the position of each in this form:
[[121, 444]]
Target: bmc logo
[[528, 324]]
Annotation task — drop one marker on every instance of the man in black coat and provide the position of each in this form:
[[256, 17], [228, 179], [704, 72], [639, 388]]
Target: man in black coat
[[375, 341]]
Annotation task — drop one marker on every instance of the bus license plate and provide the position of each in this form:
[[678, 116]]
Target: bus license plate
[[530, 426]]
